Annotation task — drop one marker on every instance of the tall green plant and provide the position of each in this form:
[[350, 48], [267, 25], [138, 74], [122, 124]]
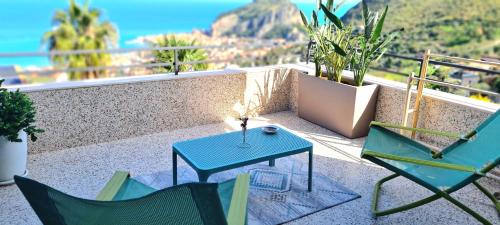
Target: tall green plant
[[371, 45], [16, 113], [183, 55], [313, 31], [323, 36], [79, 28], [337, 54], [335, 62]]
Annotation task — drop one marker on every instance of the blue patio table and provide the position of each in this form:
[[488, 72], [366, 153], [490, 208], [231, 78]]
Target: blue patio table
[[213, 154]]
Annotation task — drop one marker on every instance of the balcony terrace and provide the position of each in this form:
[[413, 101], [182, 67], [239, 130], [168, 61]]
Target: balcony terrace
[[94, 128]]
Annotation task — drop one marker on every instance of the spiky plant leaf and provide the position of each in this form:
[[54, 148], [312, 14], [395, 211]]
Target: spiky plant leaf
[[366, 18], [334, 19], [337, 48], [315, 19], [304, 18], [378, 27]]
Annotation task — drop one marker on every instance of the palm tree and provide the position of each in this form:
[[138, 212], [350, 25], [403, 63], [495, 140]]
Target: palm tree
[[79, 28], [183, 55]]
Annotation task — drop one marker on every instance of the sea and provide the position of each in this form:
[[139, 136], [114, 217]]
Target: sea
[[23, 22]]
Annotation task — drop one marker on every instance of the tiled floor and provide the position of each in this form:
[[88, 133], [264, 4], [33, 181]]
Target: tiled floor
[[83, 171]]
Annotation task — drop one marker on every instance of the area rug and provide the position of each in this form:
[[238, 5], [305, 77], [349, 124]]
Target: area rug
[[277, 194]]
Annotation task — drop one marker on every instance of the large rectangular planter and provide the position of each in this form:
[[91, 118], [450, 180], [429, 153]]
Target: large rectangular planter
[[342, 108]]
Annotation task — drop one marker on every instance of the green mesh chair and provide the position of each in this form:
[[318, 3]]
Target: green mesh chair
[[126, 201], [462, 163]]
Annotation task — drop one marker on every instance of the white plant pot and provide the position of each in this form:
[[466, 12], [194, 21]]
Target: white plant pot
[[13, 157]]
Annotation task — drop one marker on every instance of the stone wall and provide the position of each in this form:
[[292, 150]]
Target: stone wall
[[267, 89], [89, 112], [82, 113]]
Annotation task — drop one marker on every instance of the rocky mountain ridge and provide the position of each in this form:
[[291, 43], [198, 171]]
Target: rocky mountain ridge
[[261, 19]]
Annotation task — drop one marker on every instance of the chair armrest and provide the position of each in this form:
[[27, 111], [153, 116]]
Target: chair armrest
[[421, 130], [238, 208], [442, 165], [113, 186]]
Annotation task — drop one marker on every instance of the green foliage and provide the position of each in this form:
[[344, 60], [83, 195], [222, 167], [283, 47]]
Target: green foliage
[[334, 19], [16, 113], [335, 44], [496, 84], [331, 41], [439, 73], [184, 55], [371, 45], [461, 28], [388, 75], [313, 31], [79, 28], [336, 62]]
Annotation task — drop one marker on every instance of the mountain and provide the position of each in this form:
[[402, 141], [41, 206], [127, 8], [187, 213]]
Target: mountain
[[261, 19], [453, 27]]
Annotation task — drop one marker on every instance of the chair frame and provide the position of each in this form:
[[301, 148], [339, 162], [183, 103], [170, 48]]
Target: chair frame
[[438, 193]]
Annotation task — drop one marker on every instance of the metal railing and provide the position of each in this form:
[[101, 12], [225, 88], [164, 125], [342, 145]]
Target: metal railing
[[421, 61], [452, 65], [448, 64], [175, 63], [422, 79]]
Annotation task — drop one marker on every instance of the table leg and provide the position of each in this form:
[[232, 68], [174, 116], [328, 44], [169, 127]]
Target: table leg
[[174, 168], [271, 163], [202, 177], [309, 182]]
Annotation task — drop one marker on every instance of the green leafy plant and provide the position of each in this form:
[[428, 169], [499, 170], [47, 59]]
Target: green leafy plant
[[79, 28], [183, 55], [337, 52], [312, 29], [16, 113], [496, 85], [323, 36], [371, 45]]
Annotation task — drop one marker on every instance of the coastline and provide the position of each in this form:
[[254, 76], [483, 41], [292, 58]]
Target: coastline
[[25, 34], [131, 36]]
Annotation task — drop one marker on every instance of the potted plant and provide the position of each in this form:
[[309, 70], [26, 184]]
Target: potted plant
[[17, 118], [346, 106]]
